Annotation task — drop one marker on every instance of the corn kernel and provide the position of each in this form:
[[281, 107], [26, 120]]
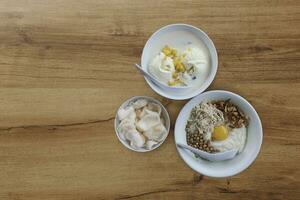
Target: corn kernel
[[176, 61], [174, 75], [179, 81], [167, 51], [173, 52], [171, 83], [179, 67]]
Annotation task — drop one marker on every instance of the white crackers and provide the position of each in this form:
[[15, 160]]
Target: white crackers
[[141, 124]]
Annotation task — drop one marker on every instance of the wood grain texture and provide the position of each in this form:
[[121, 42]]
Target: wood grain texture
[[66, 66]]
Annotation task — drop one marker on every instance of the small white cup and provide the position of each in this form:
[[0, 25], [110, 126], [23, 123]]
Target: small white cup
[[164, 114]]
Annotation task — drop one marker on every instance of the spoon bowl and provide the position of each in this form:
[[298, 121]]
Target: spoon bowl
[[227, 155]]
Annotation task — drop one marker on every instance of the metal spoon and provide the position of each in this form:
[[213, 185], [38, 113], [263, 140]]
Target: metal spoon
[[210, 156], [159, 83]]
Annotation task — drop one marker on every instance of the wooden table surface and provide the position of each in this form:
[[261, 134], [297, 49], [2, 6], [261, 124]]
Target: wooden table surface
[[66, 66]]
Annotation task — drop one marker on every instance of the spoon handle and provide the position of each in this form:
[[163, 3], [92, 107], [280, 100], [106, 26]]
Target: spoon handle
[[142, 71], [152, 78], [196, 151]]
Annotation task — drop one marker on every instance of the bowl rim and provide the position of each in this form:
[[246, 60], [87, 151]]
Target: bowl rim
[[133, 98], [260, 135], [208, 81]]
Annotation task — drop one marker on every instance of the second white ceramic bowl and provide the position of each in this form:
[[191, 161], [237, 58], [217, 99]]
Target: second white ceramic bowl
[[228, 167], [180, 35]]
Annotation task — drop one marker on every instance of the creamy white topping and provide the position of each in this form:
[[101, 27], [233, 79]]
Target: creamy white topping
[[195, 63], [162, 67]]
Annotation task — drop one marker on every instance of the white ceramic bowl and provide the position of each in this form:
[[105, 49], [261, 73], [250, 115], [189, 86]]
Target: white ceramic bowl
[[180, 35], [165, 116], [229, 167]]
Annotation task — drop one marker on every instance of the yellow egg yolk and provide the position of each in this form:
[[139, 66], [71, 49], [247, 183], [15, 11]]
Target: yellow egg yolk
[[220, 133]]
